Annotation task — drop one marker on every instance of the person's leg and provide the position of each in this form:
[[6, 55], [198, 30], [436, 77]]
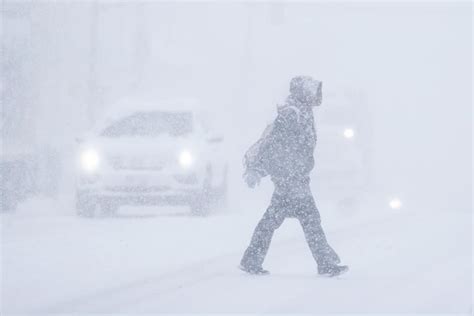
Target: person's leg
[[262, 236], [308, 215]]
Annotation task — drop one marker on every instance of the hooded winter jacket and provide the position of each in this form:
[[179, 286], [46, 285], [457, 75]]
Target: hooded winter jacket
[[290, 149]]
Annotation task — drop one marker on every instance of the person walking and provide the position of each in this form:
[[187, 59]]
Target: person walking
[[285, 152]]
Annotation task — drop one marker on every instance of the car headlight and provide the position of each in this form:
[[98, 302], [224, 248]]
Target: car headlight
[[90, 160], [395, 203], [185, 159], [349, 133]]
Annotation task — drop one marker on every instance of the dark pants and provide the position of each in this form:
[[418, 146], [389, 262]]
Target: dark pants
[[281, 207]]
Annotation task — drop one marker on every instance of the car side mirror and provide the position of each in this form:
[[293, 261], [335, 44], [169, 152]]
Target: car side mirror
[[215, 140]]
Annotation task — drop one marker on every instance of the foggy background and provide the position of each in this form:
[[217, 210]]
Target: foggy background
[[64, 63], [408, 66]]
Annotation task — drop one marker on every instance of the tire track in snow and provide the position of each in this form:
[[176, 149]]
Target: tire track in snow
[[111, 299], [155, 287]]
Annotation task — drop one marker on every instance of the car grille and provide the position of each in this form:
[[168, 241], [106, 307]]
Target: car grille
[[136, 163], [136, 189]]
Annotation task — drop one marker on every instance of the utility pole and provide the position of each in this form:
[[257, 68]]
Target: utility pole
[[142, 45], [93, 100]]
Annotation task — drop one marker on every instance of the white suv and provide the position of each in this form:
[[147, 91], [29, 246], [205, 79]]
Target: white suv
[[150, 157]]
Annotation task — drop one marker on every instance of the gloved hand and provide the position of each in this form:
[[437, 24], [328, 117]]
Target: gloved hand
[[251, 178]]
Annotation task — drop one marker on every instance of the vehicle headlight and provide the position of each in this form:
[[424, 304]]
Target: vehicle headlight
[[395, 203], [185, 159], [90, 160], [349, 133]]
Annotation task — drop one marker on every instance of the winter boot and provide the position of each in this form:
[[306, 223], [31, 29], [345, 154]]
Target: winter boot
[[332, 270], [254, 270]]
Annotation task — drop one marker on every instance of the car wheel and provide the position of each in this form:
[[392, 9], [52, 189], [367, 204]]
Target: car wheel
[[85, 205], [223, 191], [218, 195], [8, 198], [8, 203], [201, 204], [108, 208]]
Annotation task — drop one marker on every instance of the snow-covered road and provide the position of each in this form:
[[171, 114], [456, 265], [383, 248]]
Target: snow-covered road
[[400, 262]]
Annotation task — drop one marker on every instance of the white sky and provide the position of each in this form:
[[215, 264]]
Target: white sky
[[413, 62]]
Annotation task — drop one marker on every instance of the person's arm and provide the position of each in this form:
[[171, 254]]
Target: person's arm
[[278, 137], [285, 127], [254, 164]]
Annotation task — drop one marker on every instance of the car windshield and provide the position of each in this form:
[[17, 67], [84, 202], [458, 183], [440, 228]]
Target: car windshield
[[151, 124]]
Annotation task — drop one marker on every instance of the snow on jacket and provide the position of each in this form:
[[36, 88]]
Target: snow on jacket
[[289, 149]]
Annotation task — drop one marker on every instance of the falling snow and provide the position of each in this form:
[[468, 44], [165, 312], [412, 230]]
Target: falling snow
[[123, 130]]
